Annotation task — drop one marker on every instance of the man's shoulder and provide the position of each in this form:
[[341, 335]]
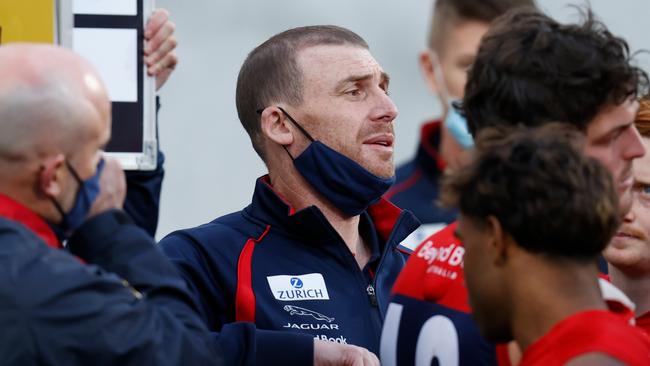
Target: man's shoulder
[[228, 232], [16, 238], [434, 271], [593, 331], [593, 322], [612, 327], [20, 247], [29, 269]]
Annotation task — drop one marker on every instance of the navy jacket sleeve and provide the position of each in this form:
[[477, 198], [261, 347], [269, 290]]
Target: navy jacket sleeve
[[143, 188], [55, 310], [142, 201], [271, 347], [69, 313]]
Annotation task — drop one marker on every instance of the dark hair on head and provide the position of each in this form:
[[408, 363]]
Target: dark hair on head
[[642, 121], [271, 74], [547, 195], [448, 13], [531, 69]]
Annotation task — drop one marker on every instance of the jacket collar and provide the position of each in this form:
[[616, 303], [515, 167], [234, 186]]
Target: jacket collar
[[14, 211], [428, 157], [390, 222]]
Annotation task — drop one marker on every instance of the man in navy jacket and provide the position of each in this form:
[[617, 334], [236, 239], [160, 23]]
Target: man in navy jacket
[[316, 252], [110, 297]]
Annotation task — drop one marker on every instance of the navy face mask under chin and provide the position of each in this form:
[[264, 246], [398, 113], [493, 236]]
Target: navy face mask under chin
[[341, 180], [87, 193]]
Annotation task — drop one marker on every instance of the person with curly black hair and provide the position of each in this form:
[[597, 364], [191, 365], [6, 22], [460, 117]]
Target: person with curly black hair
[[531, 277]]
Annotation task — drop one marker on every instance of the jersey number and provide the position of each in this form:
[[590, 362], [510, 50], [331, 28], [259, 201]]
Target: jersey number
[[438, 338]]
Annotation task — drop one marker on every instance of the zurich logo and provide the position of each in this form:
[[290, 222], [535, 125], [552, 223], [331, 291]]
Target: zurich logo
[[296, 282]]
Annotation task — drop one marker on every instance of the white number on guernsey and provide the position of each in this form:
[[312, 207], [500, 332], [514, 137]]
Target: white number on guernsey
[[437, 339]]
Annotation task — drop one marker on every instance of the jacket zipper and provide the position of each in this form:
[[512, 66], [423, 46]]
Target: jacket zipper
[[373, 297], [370, 290]]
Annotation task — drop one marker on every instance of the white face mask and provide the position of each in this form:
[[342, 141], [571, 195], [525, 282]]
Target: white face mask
[[454, 122]]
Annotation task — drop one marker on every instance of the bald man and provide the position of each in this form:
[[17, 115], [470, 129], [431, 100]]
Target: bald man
[[110, 297]]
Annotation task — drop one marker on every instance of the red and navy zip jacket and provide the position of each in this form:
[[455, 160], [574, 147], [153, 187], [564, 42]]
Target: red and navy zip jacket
[[429, 315], [291, 273], [74, 306], [417, 186]]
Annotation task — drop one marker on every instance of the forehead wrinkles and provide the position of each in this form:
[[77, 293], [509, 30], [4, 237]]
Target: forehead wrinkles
[[325, 66]]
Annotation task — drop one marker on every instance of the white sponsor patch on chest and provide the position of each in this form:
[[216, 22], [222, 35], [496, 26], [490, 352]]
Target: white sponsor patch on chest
[[299, 287]]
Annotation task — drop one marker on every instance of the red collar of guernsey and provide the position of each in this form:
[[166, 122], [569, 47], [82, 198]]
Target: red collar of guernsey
[[15, 211], [645, 317], [384, 216], [430, 136], [643, 322]]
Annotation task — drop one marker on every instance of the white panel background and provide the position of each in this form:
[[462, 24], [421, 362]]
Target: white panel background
[[211, 166], [103, 7], [114, 53]]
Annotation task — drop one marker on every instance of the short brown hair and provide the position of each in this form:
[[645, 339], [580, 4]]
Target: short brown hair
[[642, 120], [547, 195], [533, 70], [449, 13], [270, 74]]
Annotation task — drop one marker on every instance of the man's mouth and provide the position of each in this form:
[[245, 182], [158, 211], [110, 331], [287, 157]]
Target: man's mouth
[[629, 233], [625, 235], [384, 140]]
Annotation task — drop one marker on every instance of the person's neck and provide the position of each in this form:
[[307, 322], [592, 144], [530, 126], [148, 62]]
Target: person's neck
[[637, 288], [299, 194], [449, 149], [546, 293], [20, 192]]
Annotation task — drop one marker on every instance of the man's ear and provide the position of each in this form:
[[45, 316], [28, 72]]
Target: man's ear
[[430, 67], [50, 175], [433, 74], [276, 127], [499, 241]]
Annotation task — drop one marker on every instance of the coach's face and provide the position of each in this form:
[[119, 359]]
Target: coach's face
[[346, 105], [615, 142]]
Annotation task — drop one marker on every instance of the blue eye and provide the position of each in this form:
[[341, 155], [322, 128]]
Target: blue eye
[[645, 190]]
